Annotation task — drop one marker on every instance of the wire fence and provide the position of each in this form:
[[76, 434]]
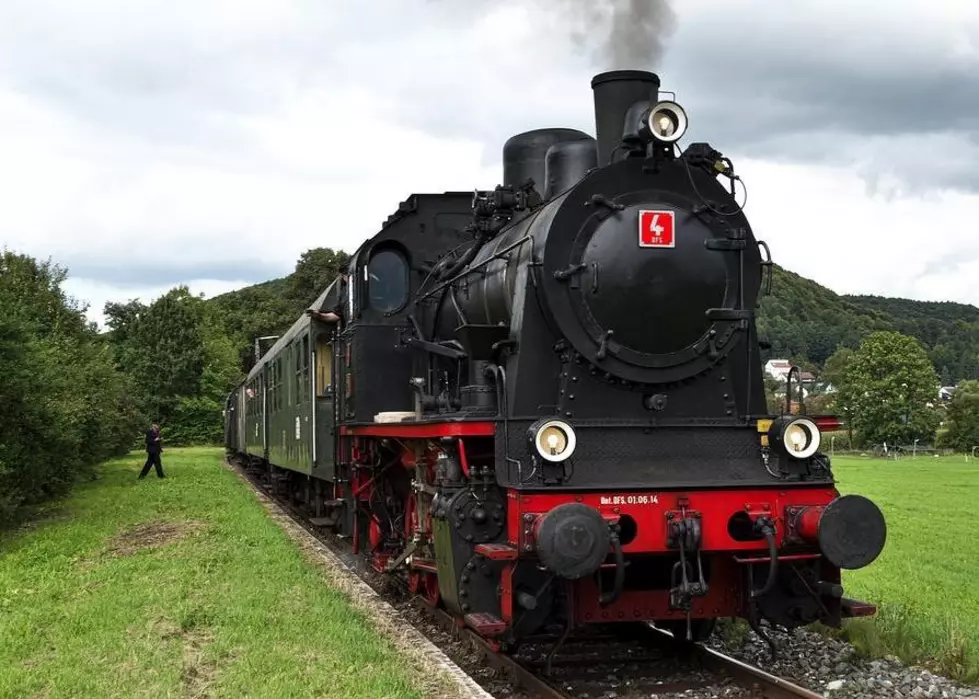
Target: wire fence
[[899, 452], [838, 443]]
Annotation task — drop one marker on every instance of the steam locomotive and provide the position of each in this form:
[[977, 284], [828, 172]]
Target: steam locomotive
[[545, 404]]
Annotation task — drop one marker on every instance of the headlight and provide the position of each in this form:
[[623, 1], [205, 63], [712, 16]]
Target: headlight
[[797, 437], [554, 440], [667, 121]]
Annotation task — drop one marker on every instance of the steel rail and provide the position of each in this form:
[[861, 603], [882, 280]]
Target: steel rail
[[519, 675], [771, 686], [750, 677]]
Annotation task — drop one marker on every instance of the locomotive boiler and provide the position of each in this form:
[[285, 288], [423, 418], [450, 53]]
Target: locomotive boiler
[[546, 402]]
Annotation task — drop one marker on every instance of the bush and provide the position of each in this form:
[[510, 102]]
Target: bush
[[64, 405]]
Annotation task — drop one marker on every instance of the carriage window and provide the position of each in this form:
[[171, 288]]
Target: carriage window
[[388, 281]]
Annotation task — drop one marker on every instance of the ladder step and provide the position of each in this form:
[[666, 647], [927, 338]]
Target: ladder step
[[497, 552], [323, 521], [484, 624]]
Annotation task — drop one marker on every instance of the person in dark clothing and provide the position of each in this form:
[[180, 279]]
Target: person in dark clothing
[[154, 446]]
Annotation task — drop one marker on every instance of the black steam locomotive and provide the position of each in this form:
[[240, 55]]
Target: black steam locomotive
[[545, 402]]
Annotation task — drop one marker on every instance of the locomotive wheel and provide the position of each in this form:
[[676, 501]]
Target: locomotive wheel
[[415, 581]]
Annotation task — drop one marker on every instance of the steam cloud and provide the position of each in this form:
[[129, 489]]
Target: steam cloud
[[618, 33]]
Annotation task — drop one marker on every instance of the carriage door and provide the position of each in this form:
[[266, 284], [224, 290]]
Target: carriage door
[[325, 397]]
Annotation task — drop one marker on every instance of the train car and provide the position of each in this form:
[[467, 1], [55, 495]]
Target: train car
[[545, 403]]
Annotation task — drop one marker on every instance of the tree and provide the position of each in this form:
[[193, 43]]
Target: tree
[[315, 270], [181, 362], [837, 363], [963, 417], [888, 390], [772, 387]]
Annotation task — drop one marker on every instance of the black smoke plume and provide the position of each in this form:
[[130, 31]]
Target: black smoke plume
[[618, 33]]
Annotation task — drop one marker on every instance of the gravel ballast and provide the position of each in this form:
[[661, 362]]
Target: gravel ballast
[[831, 667]]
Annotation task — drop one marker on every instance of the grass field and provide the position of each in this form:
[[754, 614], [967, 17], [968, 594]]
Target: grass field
[[179, 587], [184, 587], [927, 578]]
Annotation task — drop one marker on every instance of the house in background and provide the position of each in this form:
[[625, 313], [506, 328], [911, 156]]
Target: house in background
[[779, 369], [945, 392]]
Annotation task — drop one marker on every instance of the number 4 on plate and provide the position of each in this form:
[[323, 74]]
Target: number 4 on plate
[[656, 229]]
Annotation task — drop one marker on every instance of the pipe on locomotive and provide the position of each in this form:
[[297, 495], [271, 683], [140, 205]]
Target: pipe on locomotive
[[616, 92]]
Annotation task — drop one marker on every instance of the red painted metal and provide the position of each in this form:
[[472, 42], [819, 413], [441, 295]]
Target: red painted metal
[[379, 561], [807, 523], [826, 423], [411, 516], [513, 517], [786, 558], [463, 461], [723, 599], [855, 608], [488, 625], [648, 510], [506, 592], [356, 540], [374, 532], [431, 589], [408, 459], [421, 430], [497, 552]]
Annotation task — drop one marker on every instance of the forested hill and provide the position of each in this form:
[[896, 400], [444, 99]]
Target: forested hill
[[802, 320]]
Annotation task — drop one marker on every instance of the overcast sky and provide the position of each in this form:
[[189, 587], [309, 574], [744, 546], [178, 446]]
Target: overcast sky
[[145, 144]]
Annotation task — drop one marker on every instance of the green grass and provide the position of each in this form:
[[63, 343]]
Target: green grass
[[926, 581], [220, 603]]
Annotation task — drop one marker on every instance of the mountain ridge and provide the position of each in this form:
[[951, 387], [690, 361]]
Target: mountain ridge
[[803, 320]]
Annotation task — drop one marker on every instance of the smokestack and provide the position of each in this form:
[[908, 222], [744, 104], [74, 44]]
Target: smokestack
[[615, 92]]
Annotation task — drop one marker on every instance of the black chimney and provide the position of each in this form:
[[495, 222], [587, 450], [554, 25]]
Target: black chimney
[[615, 92]]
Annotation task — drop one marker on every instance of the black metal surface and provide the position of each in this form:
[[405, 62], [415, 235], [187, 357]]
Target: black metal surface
[[852, 532], [524, 155], [633, 456], [572, 540], [653, 300], [380, 367], [635, 292], [567, 163], [614, 93]]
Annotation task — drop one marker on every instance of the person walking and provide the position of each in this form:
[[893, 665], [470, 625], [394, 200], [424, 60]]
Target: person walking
[[154, 446]]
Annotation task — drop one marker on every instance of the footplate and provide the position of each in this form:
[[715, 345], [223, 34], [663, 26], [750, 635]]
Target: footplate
[[488, 625], [851, 608]]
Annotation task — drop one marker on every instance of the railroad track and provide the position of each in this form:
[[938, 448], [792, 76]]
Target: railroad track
[[616, 660], [643, 660]]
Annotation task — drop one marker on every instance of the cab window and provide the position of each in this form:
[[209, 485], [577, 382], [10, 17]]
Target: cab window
[[387, 278]]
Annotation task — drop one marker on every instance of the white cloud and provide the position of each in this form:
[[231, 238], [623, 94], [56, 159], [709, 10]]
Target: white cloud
[[153, 143], [822, 223], [96, 294]]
